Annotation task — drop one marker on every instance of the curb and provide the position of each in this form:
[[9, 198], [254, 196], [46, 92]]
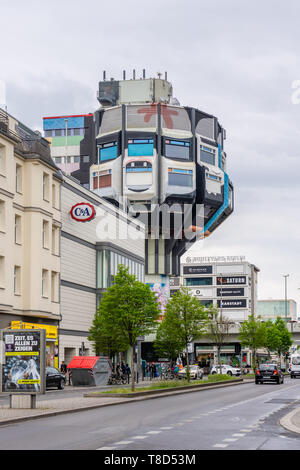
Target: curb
[[129, 400], [286, 421]]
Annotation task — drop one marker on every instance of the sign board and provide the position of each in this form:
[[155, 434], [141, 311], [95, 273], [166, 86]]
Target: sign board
[[83, 212], [23, 361], [221, 281], [51, 330], [233, 303], [230, 292], [197, 269]]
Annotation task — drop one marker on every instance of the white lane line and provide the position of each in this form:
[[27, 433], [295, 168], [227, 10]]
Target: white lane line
[[122, 442], [106, 448], [246, 430], [229, 439], [153, 432], [138, 437], [238, 435], [221, 445], [166, 427]]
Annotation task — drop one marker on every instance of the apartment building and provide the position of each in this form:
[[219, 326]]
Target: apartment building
[[30, 223]]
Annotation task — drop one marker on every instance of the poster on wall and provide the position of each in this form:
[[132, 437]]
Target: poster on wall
[[23, 361], [162, 291]]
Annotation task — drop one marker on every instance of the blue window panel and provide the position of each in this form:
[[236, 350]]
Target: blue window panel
[[108, 153], [140, 150], [143, 141], [184, 172], [138, 170], [60, 123]]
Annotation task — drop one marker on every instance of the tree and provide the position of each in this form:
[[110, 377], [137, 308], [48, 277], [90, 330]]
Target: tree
[[253, 335], [167, 342], [129, 309], [217, 330], [184, 321], [272, 342], [284, 336]]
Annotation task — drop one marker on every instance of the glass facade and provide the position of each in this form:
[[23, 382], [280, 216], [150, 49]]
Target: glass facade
[[198, 281], [107, 266]]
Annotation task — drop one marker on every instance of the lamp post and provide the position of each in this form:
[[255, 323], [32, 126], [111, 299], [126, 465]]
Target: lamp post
[[285, 295]]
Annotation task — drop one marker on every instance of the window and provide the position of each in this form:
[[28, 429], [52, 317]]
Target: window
[[108, 151], [2, 272], [58, 132], [77, 131], [177, 177], [55, 240], [76, 159], [46, 186], [198, 281], [85, 159], [44, 283], [48, 133], [102, 179], [17, 280], [45, 234], [207, 155], [2, 159], [177, 149], [54, 287], [2, 216], [140, 148], [206, 303], [18, 233], [58, 159], [19, 171]]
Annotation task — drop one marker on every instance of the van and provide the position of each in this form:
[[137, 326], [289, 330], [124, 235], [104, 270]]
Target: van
[[295, 365]]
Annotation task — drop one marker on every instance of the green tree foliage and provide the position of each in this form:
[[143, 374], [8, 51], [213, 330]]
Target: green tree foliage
[[128, 309], [253, 333], [184, 321], [217, 330]]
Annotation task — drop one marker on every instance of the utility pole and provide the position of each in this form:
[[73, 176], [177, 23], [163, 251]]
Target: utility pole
[[285, 295]]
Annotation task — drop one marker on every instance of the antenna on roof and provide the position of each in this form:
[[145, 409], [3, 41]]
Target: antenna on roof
[[104, 75], [144, 74], [124, 74]]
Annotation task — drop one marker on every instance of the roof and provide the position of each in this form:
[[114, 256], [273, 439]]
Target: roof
[[83, 362]]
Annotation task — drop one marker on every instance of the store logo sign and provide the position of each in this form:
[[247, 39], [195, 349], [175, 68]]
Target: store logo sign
[[83, 212]]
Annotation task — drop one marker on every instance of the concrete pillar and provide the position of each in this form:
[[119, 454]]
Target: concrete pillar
[[22, 401]]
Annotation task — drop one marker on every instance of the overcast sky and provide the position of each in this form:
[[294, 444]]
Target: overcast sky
[[237, 60]]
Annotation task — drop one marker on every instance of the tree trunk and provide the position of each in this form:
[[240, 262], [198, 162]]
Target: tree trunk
[[187, 364], [132, 370], [219, 359]]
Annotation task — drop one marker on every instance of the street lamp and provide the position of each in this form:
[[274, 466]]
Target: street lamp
[[285, 294]]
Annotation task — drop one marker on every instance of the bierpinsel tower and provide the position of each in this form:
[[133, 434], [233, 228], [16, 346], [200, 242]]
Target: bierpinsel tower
[[163, 162]]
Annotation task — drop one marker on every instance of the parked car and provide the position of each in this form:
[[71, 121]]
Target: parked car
[[54, 378], [226, 369], [269, 373], [294, 368], [195, 373]]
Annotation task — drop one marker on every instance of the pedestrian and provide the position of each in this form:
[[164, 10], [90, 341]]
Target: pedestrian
[[128, 372], [63, 368], [153, 371]]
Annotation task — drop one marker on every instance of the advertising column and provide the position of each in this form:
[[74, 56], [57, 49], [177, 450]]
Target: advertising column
[[23, 361]]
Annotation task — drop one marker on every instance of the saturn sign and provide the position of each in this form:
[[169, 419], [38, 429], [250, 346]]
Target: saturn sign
[[83, 212]]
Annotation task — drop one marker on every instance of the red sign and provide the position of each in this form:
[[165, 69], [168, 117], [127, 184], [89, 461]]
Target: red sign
[[83, 212]]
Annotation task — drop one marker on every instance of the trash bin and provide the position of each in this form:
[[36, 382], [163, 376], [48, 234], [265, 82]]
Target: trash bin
[[90, 370]]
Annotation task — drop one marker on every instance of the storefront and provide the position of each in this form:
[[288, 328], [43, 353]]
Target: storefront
[[51, 339]]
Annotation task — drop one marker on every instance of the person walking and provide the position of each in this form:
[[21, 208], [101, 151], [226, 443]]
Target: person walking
[[128, 372]]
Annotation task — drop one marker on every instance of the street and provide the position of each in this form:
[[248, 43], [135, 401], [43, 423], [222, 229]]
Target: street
[[243, 417]]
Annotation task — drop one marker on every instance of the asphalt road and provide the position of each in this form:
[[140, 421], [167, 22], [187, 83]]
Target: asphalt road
[[243, 417]]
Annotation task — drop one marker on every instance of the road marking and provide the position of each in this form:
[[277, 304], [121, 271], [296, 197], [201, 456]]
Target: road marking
[[122, 442], [106, 448], [239, 435], [221, 445], [246, 430], [153, 432], [166, 427], [229, 440], [139, 437]]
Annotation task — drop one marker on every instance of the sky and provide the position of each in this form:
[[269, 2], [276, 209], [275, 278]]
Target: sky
[[237, 60]]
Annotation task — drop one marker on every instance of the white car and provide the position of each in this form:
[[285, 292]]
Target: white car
[[229, 370], [195, 373]]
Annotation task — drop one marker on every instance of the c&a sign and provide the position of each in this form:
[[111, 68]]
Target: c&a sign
[[83, 212]]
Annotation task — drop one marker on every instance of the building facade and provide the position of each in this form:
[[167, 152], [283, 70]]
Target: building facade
[[271, 309], [91, 251], [30, 223], [72, 143]]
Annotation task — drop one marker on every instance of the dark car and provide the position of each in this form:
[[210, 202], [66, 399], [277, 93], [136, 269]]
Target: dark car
[[269, 373], [54, 378]]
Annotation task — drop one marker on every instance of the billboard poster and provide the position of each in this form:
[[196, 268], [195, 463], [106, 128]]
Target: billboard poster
[[162, 291], [23, 361]]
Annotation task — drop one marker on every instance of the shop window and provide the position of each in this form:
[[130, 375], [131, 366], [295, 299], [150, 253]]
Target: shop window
[[108, 151], [177, 177], [140, 147], [177, 149]]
